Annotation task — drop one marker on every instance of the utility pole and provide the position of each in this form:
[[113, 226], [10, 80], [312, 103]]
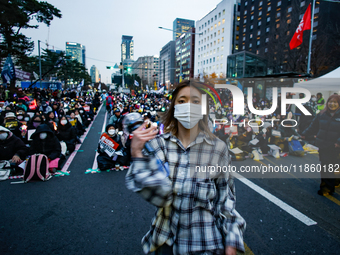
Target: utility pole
[[39, 62], [311, 38]]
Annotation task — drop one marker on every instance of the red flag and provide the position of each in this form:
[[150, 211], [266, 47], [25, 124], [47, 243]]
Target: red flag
[[305, 24]]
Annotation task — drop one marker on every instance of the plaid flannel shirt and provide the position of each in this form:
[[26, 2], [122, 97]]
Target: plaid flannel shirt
[[196, 211]]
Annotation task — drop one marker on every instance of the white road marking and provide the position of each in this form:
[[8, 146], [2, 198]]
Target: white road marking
[[292, 211], [95, 163]]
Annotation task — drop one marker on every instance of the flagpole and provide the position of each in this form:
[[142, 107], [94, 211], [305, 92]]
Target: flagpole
[[311, 39]]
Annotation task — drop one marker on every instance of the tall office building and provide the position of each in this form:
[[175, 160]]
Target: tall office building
[[147, 69], [266, 28], [167, 63], [75, 51], [181, 26], [127, 47], [185, 53], [214, 39], [94, 73]]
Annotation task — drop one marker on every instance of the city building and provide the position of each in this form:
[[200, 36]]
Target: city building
[[215, 39], [185, 53], [94, 73], [75, 51], [167, 63], [181, 26], [267, 27], [127, 47], [147, 69]]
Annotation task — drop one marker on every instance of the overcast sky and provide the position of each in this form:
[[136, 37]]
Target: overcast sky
[[100, 24]]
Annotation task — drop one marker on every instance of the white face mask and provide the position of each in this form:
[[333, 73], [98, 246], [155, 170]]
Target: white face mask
[[111, 131], [188, 114], [43, 136], [3, 136], [63, 122], [313, 99]]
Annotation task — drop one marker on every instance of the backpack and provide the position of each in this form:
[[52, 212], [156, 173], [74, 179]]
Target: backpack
[[295, 148], [109, 100], [37, 168]]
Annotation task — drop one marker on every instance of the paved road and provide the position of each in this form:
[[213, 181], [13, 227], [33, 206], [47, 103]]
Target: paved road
[[96, 214]]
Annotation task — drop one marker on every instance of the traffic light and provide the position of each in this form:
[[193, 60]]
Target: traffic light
[[109, 67]]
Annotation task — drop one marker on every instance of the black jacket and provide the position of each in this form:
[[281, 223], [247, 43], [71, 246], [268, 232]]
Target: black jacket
[[49, 146], [12, 146], [327, 130], [67, 133]]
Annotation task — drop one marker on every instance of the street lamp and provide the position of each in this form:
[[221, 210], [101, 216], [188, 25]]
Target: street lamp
[[180, 68]]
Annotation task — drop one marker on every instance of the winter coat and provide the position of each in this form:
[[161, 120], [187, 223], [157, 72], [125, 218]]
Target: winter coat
[[67, 133], [327, 130], [49, 146], [11, 146]]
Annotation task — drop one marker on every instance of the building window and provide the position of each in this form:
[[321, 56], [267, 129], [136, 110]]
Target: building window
[[289, 21], [266, 50], [215, 17], [251, 36], [208, 30], [251, 27], [212, 20], [244, 38], [218, 32], [243, 47], [208, 22], [214, 43], [277, 25], [223, 29], [246, 3], [223, 12], [259, 23], [279, 3], [252, 8], [245, 12], [261, 2], [245, 21], [290, 9], [302, 3], [221, 59], [205, 24], [219, 15], [223, 20], [260, 13], [222, 47], [277, 37], [250, 45], [267, 40], [259, 32], [211, 28], [258, 52], [258, 42], [215, 34], [219, 23], [315, 24], [218, 40], [267, 29], [252, 17], [268, 19], [269, 8], [215, 26], [236, 47], [278, 15], [316, 10], [210, 60]]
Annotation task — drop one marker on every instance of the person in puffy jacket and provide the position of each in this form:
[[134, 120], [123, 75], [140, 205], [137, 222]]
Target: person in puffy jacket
[[326, 127], [45, 142], [67, 133]]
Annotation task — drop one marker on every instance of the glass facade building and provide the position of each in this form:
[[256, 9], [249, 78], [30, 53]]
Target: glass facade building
[[167, 64], [127, 47], [181, 26], [75, 51]]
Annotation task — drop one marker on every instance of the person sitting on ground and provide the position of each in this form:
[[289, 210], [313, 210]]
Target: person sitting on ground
[[12, 124], [12, 148], [67, 134], [117, 120], [106, 161], [45, 142], [288, 132]]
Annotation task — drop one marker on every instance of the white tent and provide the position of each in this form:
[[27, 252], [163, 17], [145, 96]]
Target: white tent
[[327, 84]]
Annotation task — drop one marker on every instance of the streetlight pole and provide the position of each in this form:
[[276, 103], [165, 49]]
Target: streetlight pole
[[39, 62]]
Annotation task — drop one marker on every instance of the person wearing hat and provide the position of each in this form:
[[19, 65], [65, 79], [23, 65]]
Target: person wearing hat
[[106, 161], [117, 120], [11, 147], [12, 124], [45, 108], [45, 142]]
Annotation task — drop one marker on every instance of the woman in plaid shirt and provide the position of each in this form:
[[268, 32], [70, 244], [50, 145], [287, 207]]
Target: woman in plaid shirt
[[180, 172]]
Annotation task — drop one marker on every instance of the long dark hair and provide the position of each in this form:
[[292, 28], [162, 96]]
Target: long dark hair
[[336, 97], [171, 123]]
